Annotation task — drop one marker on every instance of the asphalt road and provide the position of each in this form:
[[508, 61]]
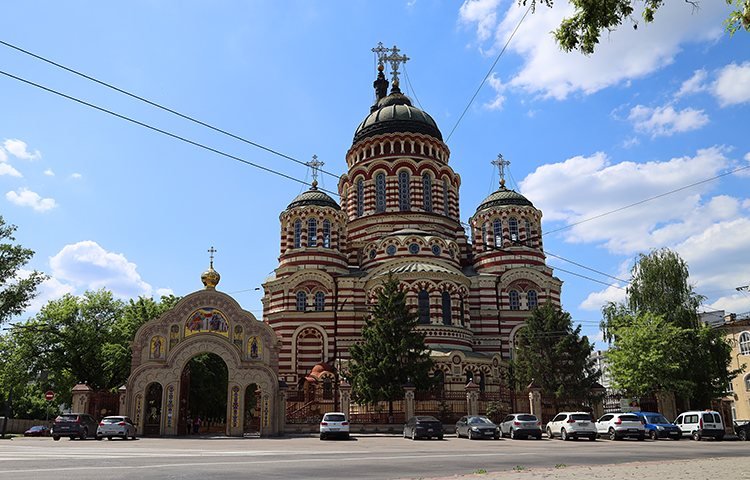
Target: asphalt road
[[366, 457]]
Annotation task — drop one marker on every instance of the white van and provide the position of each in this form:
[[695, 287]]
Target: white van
[[699, 424]]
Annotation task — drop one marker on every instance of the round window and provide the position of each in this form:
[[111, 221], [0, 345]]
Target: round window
[[372, 254], [390, 250], [414, 248], [436, 250]]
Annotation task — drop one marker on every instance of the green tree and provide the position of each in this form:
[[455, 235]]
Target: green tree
[[392, 352], [592, 18], [554, 355], [16, 291]]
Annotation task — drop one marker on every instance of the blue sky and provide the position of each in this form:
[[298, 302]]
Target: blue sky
[[105, 203]]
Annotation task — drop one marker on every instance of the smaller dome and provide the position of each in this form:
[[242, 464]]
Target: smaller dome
[[210, 277], [502, 197], [313, 197], [318, 371]]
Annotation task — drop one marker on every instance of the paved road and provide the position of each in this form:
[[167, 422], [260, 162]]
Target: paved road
[[367, 457]]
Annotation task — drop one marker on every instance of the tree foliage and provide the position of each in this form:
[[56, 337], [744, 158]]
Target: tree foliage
[[592, 18], [392, 352], [16, 291], [554, 355]]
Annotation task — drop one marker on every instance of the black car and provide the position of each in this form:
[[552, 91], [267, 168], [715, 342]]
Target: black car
[[742, 429], [423, 427], [474, 427], [74, 425]]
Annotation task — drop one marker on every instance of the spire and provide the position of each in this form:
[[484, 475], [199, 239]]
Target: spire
[[315, 165], [501, 163]]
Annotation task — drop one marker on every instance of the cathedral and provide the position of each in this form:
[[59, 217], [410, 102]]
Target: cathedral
[[399, 214]]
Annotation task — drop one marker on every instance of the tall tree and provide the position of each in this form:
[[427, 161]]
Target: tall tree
[[554, 355], [392, 352], [592, 18], [16, 291]]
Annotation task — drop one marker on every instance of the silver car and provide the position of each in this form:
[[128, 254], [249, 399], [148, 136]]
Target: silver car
[[521, 425], [475, 427], [117, 426]]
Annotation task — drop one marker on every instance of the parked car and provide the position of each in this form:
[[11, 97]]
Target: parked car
[[521, 425], [334, 424], [617, 426], [742, 429], [475, 427], [74, 425], [116, 426], [657, 426], [567, 425], [422, 426], [37, 431], [699, 424]]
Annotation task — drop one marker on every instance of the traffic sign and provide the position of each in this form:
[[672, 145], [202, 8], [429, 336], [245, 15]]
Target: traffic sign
[[49, 395]]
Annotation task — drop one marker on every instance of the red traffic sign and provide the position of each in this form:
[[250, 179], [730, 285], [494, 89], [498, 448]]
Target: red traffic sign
[[49, 395]]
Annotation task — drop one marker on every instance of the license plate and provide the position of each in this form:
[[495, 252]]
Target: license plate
[[584, 424], [334, 429]]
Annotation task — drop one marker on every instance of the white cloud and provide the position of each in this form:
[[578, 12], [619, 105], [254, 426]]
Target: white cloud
[[26, 198], [50, 289], [695, 84], [3, 155], [630, 142], [7, 169], [18, 149], [497, 85], [734, 303], [622, 55], [732, 85], [666, 121], [163, 292], [76, 176], [87, 265], [596, 300], [49, 172]]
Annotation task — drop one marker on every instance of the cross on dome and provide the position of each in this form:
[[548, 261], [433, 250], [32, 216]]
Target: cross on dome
[[381, 52], [501, 163], [315, 165], [211, 252], [395, 60]]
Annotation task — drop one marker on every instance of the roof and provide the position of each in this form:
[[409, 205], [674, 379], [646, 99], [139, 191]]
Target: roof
[[313, 197], [503, 197], [396, 114], [420, 267]]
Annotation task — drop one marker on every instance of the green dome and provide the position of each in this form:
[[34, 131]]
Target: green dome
[[396, 114], [313, 197], [503, 197]]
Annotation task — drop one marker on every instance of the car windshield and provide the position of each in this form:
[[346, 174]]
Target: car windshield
[[527, 418], [37, 428], [67, 418], [334, 418], [656, 419], [112, 420], [630, 418], [581, 416], [479, 421]]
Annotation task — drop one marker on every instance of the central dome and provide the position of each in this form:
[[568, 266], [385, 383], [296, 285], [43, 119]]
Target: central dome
[[396, 114], [502, 197], [313, 197]]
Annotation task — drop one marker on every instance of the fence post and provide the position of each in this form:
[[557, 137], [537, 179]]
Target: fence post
[[81, 398], [123, 392], [535, 399], [409, 400], [597, 404], [346, 397], [667, 404], [472, 398]]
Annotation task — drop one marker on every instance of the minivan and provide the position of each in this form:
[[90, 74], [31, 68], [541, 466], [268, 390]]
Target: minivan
[[699, 424]]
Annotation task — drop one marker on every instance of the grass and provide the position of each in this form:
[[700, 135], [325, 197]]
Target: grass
[[479, 471], [519, 468], [560, 465]]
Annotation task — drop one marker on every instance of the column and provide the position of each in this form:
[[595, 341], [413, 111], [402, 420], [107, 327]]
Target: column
[[81, 398], [122, 391], [472, 398], [345, 390], [409, 400]]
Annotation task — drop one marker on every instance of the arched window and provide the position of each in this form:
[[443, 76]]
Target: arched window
[[423, 305], [531, 299], [484, 237], [297, 233], [447, 309], [380, 192], [513, 229], [427, 192], [326, 233], [527, 232], [312, 232], [745, 343], [747, 383], [327, 389], [446, 200], [301, 301], [404, 202], [360, 197], [515, 301], [497, 230], [462, 315], [469, 376], [482, 383], [320, 301]]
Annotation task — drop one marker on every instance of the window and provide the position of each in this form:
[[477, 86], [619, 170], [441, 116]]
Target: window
[[447, 308], [446, 204], [469, 376], [404, 202], [497, 230], [414, 248], [527, 232], [747, 383], [360, 197], [297, 233], [481, 382], [312, 232], [423, 305], [390, 249], [745, 343], [301, 301], [326, 233], [380, 192], [320, 301], [513, 229], [515, 301], [531, 299], [484, 236], [436, 250], [462, 313], [427, 192]]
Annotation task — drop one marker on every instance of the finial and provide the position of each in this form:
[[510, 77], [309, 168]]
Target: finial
[[382, 53], [211, 277], [211, 252], [395, 60], [315, 164], [501, 163]]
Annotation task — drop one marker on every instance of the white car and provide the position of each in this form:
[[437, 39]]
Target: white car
[[116, 426], [567, 425], [617, 426], [334, 424], [699, 424]]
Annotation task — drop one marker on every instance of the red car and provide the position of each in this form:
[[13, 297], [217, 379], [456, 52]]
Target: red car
[[37, 431]]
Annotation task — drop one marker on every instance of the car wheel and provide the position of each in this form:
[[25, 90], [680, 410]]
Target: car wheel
[[346, 436], [564, 435], [612, 434], [719, 437], [697, 436], [73, 437], [549, 433], [743, 435], [539, 437], [404, 433], [513, 434], [678, 437], [99, 437], [56, 438], [322, 436], [641, 438], [653, 435], [593, 437], [471, 435], [414, 434], [496, 436], [439, 437], [84, 434]]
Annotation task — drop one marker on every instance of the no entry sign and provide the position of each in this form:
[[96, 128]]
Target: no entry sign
[[49, 395]]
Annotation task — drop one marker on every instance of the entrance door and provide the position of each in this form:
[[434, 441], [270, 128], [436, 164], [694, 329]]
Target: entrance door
[[206, 376], [252, 410], [152, 420]]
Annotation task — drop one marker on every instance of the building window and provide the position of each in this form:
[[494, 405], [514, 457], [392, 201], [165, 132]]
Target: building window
[[436, 250], [513, 229], [462, 313], [747, 383], [423, 305], [531, 299], [326, 233], [484, 237], [312, 232], [482, 382], [320, 301], [745, 343], [414, 248], [497, 230], [446, 204], [390, 249], [427, 192], [404, 202], [469, 376], [301, 301], [527, 232], [447, 308], [360, 197], [297, 233], [515, 301], [380, 192]]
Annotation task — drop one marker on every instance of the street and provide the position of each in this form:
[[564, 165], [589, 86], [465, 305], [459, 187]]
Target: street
[[372, 457]]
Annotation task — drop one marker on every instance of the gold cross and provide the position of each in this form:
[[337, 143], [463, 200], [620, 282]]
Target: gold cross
[[211, 251], [501, 163]]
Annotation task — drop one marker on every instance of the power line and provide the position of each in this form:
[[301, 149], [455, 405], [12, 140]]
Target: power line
[[159, 130], [489, 72], [588, 278], [413, 92], [159, 106]]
